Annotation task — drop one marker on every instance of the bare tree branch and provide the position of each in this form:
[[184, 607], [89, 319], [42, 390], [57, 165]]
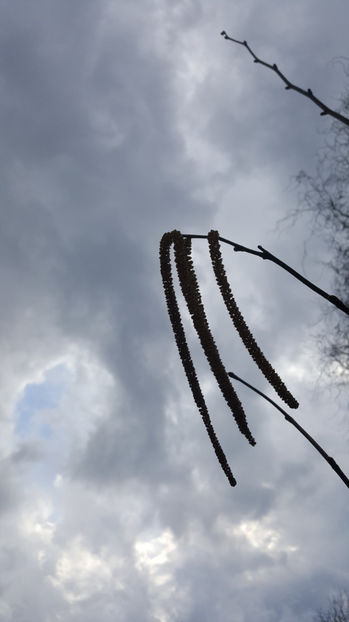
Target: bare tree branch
[[338, 610], [333, 464], [264, 254], [325, 110], [323, 196]]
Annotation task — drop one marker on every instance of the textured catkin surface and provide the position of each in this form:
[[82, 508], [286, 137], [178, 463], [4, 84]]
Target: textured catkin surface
[[240, 324], [173, 310], [191, 292]]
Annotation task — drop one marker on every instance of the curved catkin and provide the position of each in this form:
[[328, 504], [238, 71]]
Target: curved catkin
[[191, 293], [240, 324], [184, 353]]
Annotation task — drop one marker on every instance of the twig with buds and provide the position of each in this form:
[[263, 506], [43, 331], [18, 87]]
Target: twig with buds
[[325, 110]]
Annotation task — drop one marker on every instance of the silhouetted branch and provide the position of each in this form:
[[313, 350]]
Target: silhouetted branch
[[191, 292], [264, 254], [325, 110], [333, 464]]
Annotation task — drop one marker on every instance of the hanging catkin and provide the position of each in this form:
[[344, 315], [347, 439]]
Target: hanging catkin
[[240, 324], [166, 272]]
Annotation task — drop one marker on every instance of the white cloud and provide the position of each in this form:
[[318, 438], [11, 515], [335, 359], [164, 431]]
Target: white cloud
[[80, 573]]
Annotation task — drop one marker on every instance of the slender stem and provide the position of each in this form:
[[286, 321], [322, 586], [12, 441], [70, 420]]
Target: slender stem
[[333, 464], [264, 254], [325, 110], [330, 297]]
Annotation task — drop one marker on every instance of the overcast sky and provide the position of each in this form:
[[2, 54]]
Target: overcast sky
[[120, 121]]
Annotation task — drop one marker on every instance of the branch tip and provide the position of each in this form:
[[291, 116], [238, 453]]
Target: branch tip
[[333, 464], [305, 92]]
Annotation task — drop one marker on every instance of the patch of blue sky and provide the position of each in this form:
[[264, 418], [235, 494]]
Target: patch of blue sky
[[38, 397]]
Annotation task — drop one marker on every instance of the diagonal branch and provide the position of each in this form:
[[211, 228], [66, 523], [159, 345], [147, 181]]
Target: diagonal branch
[[325, 110], [333, 464], [264, 254]]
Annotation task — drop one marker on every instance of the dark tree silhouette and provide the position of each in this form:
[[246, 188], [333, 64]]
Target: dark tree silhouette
[[337, 611], [325, 197]]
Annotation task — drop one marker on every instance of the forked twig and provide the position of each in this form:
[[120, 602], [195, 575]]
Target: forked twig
[[325, 110], [333, 464]]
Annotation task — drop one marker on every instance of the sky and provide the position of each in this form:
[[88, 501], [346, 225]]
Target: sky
[[121, 121]]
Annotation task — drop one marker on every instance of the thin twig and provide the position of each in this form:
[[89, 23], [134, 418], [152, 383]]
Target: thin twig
[[330, 297], [333, 464], [325, 110], [264, 254]]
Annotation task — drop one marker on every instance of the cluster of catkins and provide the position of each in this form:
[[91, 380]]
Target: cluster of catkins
[[190, 289]]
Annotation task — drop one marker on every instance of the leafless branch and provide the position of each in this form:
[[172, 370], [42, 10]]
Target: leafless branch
[[325, 110], [264, 254], [333, 464]]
